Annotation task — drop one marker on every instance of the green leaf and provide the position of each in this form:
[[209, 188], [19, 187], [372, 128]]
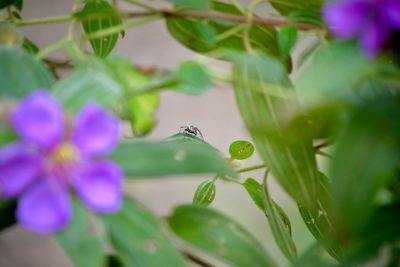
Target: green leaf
[[139, 240], [97, 16], [93, 80], [219, 236], [17, 3], [229, 34], [114, 261], [287, 38], [30, 46], [167, 158], [21, 74], [339, 59], [319, 220], [365, 160], [279, 229], [253, 188], [304, 11], [206, 32], [204, 194], [241, 150], [193, 4], [139, 110], [193, 78], [265, 96], [7, 213], [78, 240]]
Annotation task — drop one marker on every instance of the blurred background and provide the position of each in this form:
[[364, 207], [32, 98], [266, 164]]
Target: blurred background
[[214, 113]]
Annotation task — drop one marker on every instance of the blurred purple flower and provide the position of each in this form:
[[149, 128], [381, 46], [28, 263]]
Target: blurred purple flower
[[50, 159], [371, 21]]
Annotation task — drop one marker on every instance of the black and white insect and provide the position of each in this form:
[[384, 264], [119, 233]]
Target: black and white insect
[[193, 130]]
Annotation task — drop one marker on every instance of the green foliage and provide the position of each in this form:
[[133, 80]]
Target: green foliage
[[262, 96], [241, 150], [151, 159], [279, 229], [97, 16], [192, 78], [219, 236], [205, 193], [139, 110], [17, 3], [287, 38], [192, 4], [139, 238], [228, 35], [79, 239], [304, 11], [20, 73], [319, 220], [93, 80]]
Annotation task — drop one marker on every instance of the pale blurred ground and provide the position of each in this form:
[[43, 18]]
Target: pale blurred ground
[[214, 112]]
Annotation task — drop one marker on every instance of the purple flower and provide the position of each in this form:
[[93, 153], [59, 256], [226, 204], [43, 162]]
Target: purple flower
[[371, 21], [53, 157]]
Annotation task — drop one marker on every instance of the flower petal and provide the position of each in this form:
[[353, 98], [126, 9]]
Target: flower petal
[[346, 18], [390, 12], [39, 119], [96, 131], [99, 186], [373, 38], [19, 166], [45, 208]]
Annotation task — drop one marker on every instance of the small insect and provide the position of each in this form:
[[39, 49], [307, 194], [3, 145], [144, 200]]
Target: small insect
[[193, 130]]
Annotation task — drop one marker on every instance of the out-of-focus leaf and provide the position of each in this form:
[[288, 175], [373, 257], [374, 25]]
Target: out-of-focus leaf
[[342, 67], [192, 78], [279, 229], [97, 16], [312, 257], [219, 236], [20, 73], [204, 194], [140, 109], [206, 32], [165, 158], [17, 3], [365, 160], [304, 11], [318, 219], [28, 45], [264, 95], [192, 4], [7, 213], [93, 80], [79, 240], [382, 231], [254, 189], [188, 138], [139, 240], [229, 35], [241, 150], [287, 38]]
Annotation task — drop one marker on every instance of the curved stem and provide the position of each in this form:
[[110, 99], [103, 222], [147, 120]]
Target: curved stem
[[47, 20], [53, 47], [252, 168]]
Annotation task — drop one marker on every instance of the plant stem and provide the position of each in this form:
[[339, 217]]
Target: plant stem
[[183, 14], [47, 20], [53, 47], [252, 168]]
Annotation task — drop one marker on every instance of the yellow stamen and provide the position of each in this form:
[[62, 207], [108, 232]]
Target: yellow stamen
[[65, 152]]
